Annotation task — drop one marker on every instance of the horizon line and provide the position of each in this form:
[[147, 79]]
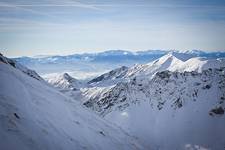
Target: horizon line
[[108, 50]]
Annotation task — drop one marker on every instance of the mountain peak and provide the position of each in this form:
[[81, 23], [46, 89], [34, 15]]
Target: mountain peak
[[67, 76], [178, 55], [65, 81], [169, 59]]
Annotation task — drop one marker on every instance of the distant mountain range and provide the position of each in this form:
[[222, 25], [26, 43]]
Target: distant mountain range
[[88, 65], [114, 56]]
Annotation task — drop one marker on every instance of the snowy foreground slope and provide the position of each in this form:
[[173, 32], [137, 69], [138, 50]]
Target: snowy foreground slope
[[33, 115]]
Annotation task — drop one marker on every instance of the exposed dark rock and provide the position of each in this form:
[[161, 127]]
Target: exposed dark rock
[[206, 87], [16, 115], [178, 103], [7, 61], [160, 105], [217, 111], [197, 83], [123, 99], [163, 74], [102, 133], [110, 105], [88, 104]]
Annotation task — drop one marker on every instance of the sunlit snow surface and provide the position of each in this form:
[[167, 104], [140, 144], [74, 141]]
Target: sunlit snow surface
[[34, 115]]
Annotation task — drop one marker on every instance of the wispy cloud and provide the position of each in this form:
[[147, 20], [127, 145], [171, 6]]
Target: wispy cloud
[[18, 23], [67, 3], [91, 24], [8, 5], [72, 3], [23, 23], [96, 6]]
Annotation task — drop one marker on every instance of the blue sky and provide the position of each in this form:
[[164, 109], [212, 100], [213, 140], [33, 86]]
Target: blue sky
[[31, 27]]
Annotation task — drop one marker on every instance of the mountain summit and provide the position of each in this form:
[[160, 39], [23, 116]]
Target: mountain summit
[[65, 81]]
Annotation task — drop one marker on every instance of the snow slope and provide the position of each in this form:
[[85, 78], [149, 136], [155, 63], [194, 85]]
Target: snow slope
[[20, 67], [110, 78], [36, 116], [199, 63]]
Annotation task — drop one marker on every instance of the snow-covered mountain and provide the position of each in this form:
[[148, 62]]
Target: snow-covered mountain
[[189, 106], [176, 62], [142, 89], [173, 95], [65, 81], [172, 61], [166, 62], [34, 115]]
